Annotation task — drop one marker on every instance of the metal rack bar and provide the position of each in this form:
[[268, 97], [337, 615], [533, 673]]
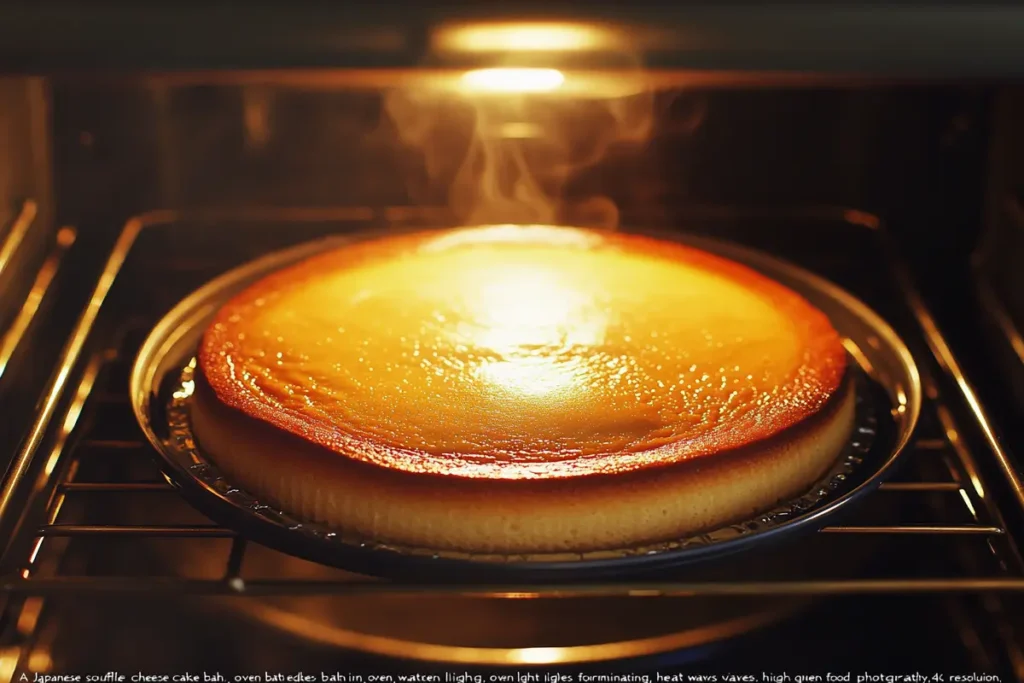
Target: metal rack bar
[[15, 333], [235, 559], [948, 362], [256, 588], [55, 390], [16, 235]]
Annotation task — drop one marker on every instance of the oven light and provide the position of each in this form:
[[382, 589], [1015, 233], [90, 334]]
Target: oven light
[[541, 81], [540, 655], [525, 37], [513, 80]]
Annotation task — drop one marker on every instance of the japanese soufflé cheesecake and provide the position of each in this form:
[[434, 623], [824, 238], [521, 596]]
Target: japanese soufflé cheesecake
[[521, 389]]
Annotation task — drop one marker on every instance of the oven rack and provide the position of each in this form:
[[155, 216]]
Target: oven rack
[[66, 440], [13, 263], [960, 481], [32, 259]]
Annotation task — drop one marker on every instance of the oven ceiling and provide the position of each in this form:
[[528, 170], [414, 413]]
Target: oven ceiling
[[951, 40]]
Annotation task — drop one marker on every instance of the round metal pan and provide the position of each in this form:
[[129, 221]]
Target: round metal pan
[[887, 410]]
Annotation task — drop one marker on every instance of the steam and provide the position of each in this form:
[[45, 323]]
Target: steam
[[507, 153]]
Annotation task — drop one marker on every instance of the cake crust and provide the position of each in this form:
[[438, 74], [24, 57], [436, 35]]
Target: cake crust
[[365, 352], [520, 517]]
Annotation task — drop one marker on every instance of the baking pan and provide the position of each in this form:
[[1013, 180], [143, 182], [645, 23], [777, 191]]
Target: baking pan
[[888, 404]]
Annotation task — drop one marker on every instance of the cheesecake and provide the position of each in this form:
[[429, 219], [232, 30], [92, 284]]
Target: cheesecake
[[521, 390]]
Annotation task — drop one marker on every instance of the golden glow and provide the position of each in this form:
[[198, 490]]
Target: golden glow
[[520, 130], [525, 313], [513, 80], [541, 655], [40, 661], [513, 234], [523, 309], [531, 376], [591, 85], [526, 37], [534, 345]]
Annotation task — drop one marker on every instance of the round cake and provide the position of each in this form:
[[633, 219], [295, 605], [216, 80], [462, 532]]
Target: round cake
[[521, 390]]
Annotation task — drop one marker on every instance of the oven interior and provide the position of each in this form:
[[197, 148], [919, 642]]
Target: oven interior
[[124, 195]]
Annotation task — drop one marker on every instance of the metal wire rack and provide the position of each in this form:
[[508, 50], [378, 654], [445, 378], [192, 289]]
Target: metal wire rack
[[86, 454], [13, 264]]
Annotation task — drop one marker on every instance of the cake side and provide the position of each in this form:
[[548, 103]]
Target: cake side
[[600, 512]]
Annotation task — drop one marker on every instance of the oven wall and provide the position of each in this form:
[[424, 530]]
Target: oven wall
[[26, 174], [912, 155], [1000, 280], [25, 164], [24, 141]]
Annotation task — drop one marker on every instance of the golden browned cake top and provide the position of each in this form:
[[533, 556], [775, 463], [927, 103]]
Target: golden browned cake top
[[513, 352]]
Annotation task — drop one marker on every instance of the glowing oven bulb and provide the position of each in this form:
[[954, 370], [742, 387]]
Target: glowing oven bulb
[[509, 80]]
